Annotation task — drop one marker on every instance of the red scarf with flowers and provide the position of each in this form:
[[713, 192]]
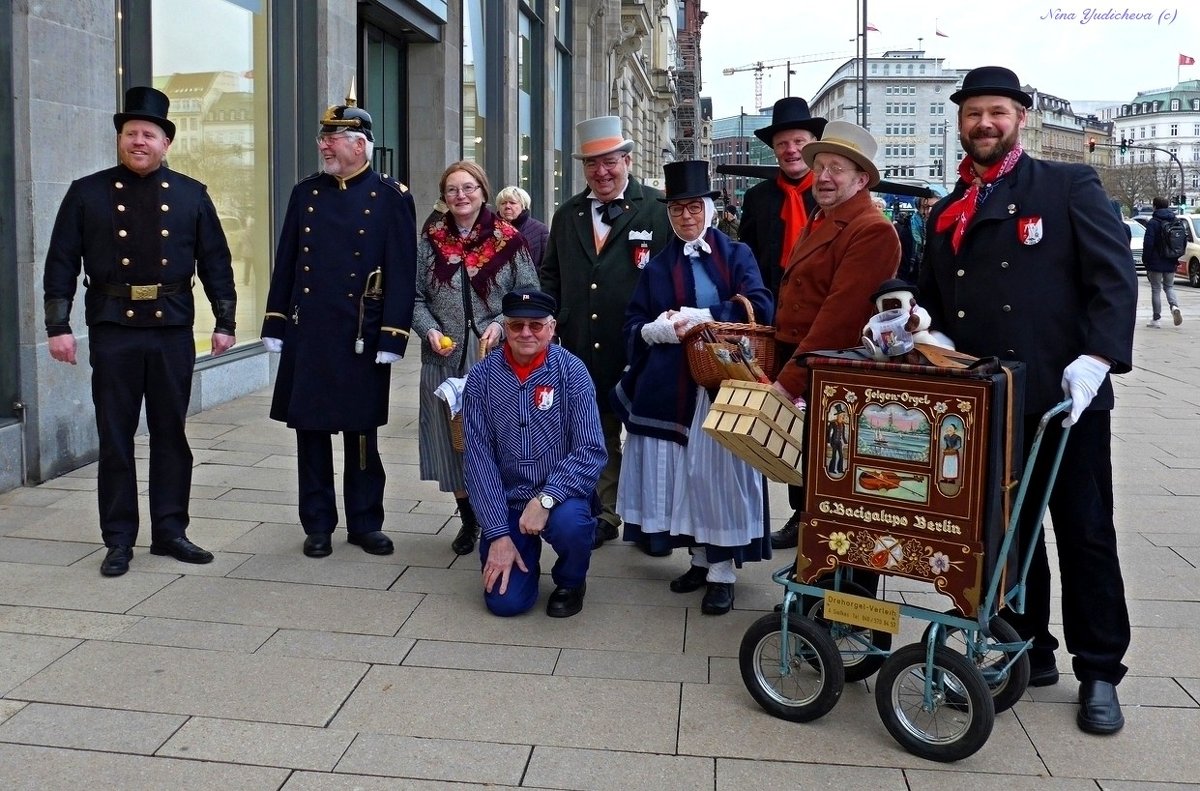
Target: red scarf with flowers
[[491, 245], [959, 213]]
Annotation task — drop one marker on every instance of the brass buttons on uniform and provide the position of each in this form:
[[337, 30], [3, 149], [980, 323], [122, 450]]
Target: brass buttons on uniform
[[1006, 308], [163, 262], [129, 314], [124, 262], [165, 207], [307, 229], [165, 185], [120, 207], [119, 185], [595, 346], [122, 233], [158, 314], [366, 211], [960, 272], [361, 231], [354, 274], [306, 289], [165, 233], [314, 192], [595, 316], [310, 209], [306, 269], [372, 193], [594, 286], [305, 249], [962, 313], [1004, 265]]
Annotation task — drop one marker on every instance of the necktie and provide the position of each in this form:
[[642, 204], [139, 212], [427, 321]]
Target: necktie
[[609, 212]]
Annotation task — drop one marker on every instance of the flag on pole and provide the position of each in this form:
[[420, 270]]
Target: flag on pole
[[1187, 60], [937, 29], [872, 28]]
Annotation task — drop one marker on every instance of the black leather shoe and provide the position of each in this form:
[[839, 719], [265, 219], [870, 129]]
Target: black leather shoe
[[318, 545], [604, 532], [373, 543], [464, 542], [1043, 675], [565, 602], [1099, 709], [116, 562], [788, 535], [656, 545], [691, 580], [182, 550], [718, 599]]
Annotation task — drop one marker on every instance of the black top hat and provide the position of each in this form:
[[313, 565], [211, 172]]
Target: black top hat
[[146, 104], [346, 118], [991, 81], [896, 284], [790, 112], [528, 303], [687, 179]]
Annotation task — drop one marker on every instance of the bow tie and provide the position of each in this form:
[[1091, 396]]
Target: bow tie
[[696, 246], [609, 212]]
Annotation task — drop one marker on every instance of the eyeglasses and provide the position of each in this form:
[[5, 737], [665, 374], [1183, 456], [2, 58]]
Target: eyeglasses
[[467, 190], [611, 163], [516, 326], [679, 209], [833, 170], [327, 140]]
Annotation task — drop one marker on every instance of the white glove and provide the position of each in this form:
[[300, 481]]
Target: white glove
[[274, 345], [1081, 381], [386, 358], [691, 317], [661, 330]]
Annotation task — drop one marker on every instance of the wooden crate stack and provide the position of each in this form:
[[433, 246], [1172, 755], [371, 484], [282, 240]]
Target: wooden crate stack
[[760, 427]]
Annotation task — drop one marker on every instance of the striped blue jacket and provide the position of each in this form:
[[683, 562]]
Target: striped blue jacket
[[525, 439]]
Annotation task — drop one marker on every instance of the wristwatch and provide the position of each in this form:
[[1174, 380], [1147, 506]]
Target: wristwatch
[[546, 501]]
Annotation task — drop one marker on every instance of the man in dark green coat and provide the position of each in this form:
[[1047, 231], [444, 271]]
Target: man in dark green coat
[[599, 242]]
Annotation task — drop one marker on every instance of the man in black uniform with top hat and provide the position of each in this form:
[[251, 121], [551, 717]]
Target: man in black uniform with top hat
[[141, 232], [339, 312]]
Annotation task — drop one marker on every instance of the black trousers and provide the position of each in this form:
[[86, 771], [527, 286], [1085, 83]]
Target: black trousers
[[363, 479], [1095, 616], [131, 365]]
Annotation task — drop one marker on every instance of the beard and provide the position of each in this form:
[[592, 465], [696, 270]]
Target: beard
[[998, 147]]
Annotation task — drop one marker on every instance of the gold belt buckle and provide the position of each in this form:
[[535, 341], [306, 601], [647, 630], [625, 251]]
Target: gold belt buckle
[[138, 293]]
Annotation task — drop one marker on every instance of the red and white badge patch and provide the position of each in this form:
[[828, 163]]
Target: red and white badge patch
[[1029, 230], [543, 397]]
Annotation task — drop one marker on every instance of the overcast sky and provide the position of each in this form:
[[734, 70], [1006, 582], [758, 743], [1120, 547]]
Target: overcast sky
[[1076, 59]]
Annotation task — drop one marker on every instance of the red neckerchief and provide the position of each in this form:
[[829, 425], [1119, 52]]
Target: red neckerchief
[[523, 371], [491, 244], [962, 210], [794, 213]]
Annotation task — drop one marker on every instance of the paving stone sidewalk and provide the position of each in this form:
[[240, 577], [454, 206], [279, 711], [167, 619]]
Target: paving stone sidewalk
[[270, 670]]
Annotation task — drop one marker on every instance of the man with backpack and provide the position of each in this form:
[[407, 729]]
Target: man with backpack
[[1164, 244]]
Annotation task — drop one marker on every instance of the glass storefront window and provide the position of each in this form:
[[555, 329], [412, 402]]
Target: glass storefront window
[[206, 55], [474, 79], [525, 100]]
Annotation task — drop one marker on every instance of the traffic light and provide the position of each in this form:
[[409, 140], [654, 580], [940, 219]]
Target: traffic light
[[1124, 145], [1091, 145]]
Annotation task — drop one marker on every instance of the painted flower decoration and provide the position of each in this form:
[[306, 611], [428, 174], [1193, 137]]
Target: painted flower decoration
[[839, 543], [940, 407], [964, 406], [851, 397], [828, 391], [939, 563]]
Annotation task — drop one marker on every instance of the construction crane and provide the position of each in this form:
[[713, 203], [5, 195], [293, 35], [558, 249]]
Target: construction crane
[[758, 67]]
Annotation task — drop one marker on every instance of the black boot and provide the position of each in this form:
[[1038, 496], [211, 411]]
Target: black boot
[[464, 542], [788, 535]]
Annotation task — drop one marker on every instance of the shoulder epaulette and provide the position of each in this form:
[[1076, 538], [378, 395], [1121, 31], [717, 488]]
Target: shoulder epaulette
[[312, 176], [395, 184]]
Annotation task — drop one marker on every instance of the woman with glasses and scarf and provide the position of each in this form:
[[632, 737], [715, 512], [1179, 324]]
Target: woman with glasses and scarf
[[467, 260], [678, 486]]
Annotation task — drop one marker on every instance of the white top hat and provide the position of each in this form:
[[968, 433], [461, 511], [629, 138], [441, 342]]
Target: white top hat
[[851, 141], [598, 136]]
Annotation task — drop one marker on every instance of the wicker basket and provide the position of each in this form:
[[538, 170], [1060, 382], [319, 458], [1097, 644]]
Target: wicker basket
[[704, 367], [456, 431]]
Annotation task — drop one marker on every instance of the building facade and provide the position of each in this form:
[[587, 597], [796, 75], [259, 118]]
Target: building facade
[[1163, 130], [502, 82]]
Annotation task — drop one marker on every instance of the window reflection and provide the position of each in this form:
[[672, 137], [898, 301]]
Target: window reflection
[[205, 56]]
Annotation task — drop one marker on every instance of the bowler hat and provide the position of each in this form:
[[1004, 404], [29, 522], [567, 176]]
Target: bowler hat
[[896, 284], [790, 112], [991, 81], [143, 103], [687, 179], [528, 303], [849, 140], [599, 136]]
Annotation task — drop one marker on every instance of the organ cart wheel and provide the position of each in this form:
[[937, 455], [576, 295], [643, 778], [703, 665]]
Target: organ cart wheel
[[941, 710], [1007, 686], [795, 674], [863, 649]]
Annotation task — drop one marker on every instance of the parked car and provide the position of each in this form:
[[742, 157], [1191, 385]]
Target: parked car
[[1189, 266], [1137, 232]]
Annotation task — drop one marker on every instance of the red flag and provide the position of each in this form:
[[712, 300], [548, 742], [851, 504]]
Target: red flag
[[872, 27], [1187, 60]]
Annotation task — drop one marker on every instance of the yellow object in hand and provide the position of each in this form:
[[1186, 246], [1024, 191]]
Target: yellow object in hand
[[446, 342]]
